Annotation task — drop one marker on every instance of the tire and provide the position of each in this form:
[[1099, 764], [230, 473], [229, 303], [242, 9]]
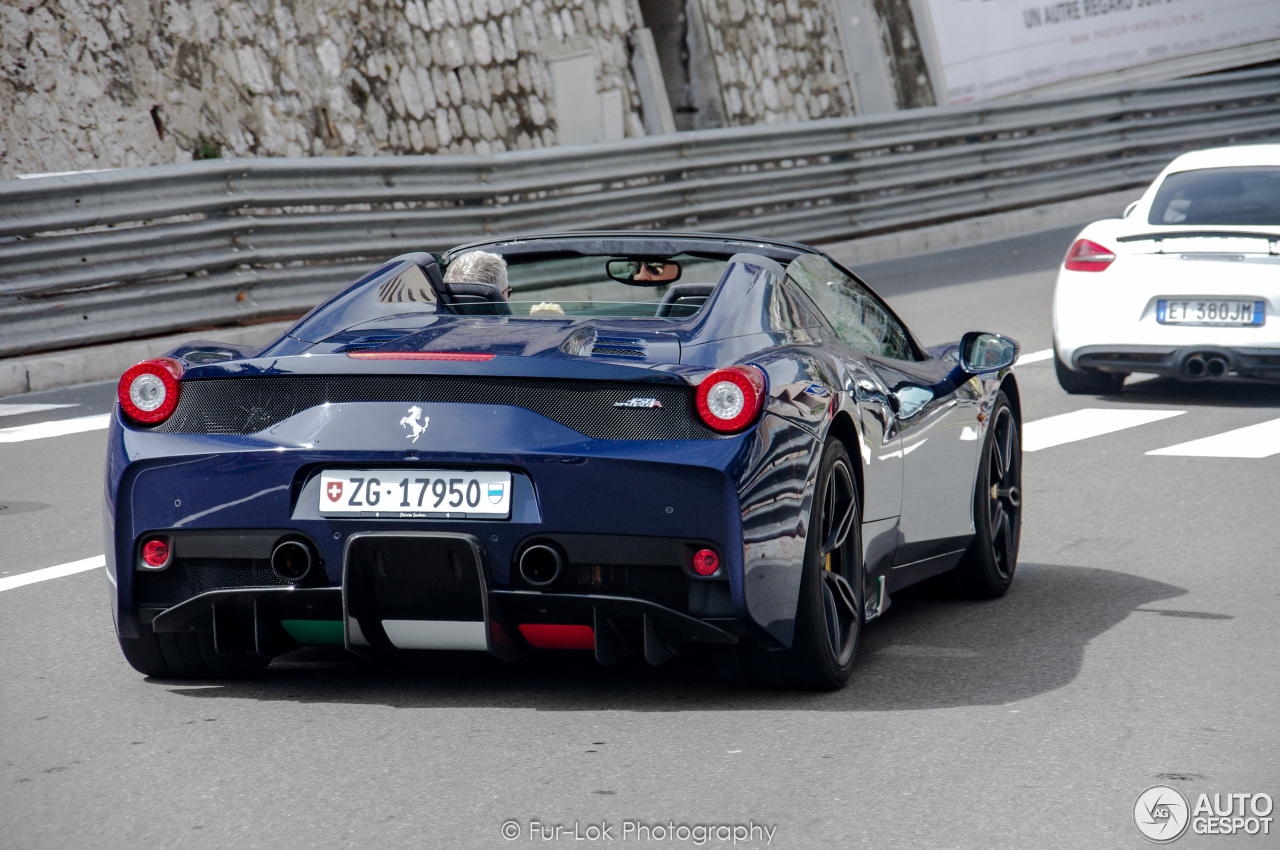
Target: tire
[[187, 655], [987, 568], [829, 611], [1089, 382]]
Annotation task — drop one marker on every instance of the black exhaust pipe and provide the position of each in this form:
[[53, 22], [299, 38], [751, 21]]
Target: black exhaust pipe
[[292, 560], [1195, 367], [1216, 367], [541, 565]]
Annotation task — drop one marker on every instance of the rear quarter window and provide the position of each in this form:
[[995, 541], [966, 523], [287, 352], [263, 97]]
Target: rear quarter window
[[858, 317], [1219, 196]]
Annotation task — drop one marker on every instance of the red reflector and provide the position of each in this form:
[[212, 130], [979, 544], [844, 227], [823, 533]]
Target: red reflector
[[466, 357], [551, 636], [155, 553], [1087, 256], [706, 562]]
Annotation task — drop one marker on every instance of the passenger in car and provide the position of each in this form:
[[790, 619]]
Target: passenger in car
[[479, 267]]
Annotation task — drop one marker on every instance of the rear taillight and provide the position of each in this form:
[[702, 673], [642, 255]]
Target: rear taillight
[[149, 391], [1088, 256], [730, 399]]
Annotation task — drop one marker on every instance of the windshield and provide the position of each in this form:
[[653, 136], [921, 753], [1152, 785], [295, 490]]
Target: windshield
[[571, 285], [1230, 196]]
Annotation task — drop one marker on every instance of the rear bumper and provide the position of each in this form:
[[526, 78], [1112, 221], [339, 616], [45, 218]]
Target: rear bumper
[[1171, 361], [1117, 311], [626, 496]]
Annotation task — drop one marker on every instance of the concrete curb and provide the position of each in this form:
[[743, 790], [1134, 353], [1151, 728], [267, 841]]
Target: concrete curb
[[987, 228], [108, 362]]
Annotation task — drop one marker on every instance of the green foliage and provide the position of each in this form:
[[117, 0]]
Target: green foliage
[[206, 149]]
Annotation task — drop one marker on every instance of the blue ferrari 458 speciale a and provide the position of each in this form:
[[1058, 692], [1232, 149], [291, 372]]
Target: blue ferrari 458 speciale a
[[625, 443]]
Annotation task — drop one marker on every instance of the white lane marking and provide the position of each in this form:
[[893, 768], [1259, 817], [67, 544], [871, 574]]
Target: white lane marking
[[18, 409], [53, 572], [1086, 423], [56, 428], [1034, 357], [1254, 441]]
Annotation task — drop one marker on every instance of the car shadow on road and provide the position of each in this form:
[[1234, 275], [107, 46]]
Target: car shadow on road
[[927, 652], [1236, 392]]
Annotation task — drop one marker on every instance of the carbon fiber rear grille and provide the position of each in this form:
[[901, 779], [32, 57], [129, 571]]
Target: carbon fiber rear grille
[[187, 577], [250, 405]]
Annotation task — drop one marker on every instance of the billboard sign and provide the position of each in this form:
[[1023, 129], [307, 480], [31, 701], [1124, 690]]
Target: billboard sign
[[991, 48]]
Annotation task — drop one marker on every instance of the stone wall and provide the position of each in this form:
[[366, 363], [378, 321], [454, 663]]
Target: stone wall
[[778, 60], [110, 83], [88, 84]]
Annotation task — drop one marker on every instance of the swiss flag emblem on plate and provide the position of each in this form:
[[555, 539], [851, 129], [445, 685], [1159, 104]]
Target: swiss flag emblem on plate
[[334, 491]]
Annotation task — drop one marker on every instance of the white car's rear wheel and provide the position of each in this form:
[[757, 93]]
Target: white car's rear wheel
[[1088, 382]]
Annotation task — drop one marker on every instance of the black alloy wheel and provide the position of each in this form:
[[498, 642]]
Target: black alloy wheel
[[829, 608], [839, 601], [988, 566], [1004, 502]]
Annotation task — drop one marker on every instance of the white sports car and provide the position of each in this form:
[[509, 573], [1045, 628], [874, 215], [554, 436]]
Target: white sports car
[[1186, 284]]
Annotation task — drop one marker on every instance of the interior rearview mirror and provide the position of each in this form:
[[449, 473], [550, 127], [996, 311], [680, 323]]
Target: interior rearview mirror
[[639, 272], [986, 352]]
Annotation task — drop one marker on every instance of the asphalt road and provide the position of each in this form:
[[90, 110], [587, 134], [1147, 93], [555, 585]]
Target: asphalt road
[[1131, 651]]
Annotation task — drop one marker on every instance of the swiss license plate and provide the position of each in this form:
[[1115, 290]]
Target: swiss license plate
[[415, 493], [1206, 311]]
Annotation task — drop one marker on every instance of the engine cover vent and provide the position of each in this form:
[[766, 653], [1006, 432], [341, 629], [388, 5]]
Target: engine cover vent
[[617, 348]]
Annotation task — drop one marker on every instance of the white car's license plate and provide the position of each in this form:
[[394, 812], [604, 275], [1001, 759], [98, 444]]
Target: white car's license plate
[[1206, 311], [415, 493]]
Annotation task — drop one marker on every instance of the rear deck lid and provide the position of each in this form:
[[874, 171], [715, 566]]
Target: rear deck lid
[[629, 342]]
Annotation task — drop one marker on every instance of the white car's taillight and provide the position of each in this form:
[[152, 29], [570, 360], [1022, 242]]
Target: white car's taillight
[[148, 392], [1088, 256], [730, 399]]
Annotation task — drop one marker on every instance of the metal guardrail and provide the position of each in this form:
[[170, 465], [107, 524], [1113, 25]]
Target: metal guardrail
[[94, 257]]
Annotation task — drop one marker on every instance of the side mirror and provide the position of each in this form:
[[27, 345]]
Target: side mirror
[[1129, 209], [986, 352]]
